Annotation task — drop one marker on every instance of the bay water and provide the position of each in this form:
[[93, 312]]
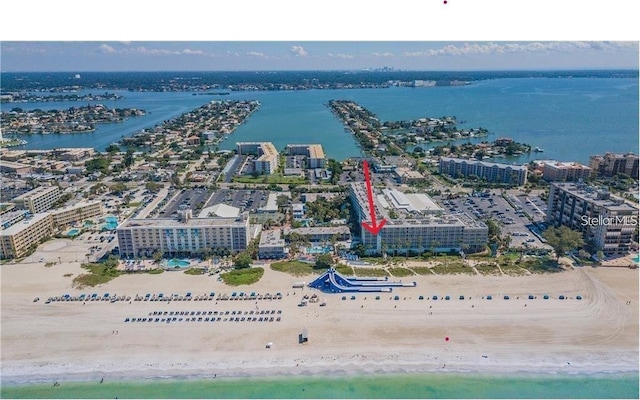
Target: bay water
[[569, 118]]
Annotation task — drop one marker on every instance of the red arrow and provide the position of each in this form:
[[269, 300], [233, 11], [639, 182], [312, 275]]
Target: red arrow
[[374, 228]]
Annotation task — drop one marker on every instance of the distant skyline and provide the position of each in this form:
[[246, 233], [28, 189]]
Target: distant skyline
[[85, 56]]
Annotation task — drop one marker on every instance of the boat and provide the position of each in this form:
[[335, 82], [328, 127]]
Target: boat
[[538, 149]]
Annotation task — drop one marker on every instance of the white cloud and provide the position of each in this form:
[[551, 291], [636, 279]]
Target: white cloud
[[105, 48], [503, 48], [152, 52], [387, 54], [194, 52], [340, 55], [256, 54], [299, 51]]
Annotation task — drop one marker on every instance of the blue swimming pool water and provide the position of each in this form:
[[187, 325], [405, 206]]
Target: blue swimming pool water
[[318, 249], [636, 259], [178, 263], [111, 223], [73, 232]]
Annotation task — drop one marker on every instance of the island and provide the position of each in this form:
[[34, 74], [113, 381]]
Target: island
[[72, 120]]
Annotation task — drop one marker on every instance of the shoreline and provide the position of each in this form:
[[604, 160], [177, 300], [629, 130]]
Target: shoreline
[[337, 373], [71, 341]]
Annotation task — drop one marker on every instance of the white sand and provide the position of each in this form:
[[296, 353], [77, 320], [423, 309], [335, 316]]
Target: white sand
[[75, 341]]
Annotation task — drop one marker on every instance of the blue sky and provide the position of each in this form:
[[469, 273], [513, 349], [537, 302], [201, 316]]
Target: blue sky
[[314, 55]]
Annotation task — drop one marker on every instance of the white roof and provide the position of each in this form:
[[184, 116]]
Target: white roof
[[221, 210]]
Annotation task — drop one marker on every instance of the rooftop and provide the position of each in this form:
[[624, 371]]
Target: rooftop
[[271, 238], [596, 195]]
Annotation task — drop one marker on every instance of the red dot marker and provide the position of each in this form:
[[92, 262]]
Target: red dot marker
[[445, 1]]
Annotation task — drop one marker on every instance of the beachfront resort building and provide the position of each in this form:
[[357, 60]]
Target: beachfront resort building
[[266, 153], [611, 164], [271, 245], [182, 237], [490, 171], [415, 223], [313, 153], [77, 213], [321, 234], [606, 222], [22, 236], [39, 199]]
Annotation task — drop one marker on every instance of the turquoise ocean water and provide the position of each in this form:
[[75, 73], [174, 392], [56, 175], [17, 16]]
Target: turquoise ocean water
[[570, 119], [444, 385]]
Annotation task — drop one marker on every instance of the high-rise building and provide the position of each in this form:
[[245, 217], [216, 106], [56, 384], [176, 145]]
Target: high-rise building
[[414, 223], [611, 164], [313, 152], [558, 171], [267, 161], [185, 236], [606, 222], [39, 199], [17, 239], [489, 171]]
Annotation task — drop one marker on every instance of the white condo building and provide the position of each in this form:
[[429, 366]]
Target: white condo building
[[267, 161], [187, 236], [418, 225], [607, 222], [39, 199], [313, 152]]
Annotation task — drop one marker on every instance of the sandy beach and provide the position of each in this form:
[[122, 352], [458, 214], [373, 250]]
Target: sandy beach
[[76, 341]]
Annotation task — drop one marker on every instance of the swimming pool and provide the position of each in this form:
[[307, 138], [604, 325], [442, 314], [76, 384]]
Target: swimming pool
[[318, 250], [174, 263], [111, 223], [636, 259], [73, 232]]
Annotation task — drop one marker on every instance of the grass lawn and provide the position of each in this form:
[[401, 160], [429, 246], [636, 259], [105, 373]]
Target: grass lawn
[[452, 268], [99, 273], [488, 269], [295, 268], [513, 269], [246, 276], [365, 272], [194, 271], [274, 178], [344, 269], [422, 270], [541, 265], [399, 272]]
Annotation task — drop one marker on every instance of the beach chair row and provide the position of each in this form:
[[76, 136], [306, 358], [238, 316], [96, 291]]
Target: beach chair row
[[85, 298], [203, 319], [215, 313], [249, 296]]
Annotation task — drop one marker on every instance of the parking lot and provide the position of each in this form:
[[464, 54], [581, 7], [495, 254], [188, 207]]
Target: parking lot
[[245, 200], [185, 199], [512, 220]]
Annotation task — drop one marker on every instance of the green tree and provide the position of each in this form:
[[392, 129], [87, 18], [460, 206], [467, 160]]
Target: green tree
[[157, 256], [563, 239], [242, 260], [112, 148], [323, 261]]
